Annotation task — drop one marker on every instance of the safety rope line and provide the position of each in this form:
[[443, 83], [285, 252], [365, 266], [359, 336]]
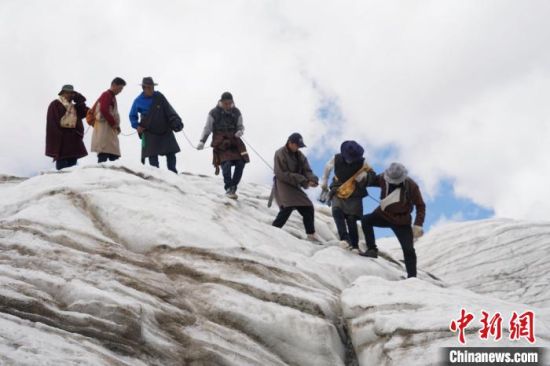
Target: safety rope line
[[259, 155]]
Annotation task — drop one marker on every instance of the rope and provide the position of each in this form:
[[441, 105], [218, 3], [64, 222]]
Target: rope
[[257, 153], [188, 140]]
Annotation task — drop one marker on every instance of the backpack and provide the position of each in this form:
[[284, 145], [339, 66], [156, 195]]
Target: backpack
[[90, 115]]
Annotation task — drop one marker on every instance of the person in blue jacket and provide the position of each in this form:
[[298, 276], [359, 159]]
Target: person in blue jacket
[[156, 121]]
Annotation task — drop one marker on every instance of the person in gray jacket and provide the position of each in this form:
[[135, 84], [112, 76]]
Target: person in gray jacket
[[293, 174], [225, 121]]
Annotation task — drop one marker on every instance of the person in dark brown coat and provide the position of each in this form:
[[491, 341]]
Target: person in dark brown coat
[[293, 174], [64, 128], [399, 195]]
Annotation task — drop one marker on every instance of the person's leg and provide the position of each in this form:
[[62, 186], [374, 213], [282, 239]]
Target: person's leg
[[368, 222], [405, 236], [282, 216], [113, 157], [226, 172], [351, 221], [154, 161], [71, 162], [60, 164], [308, 215], [238, 173], [171, 162], [340, 221], [102, 157]]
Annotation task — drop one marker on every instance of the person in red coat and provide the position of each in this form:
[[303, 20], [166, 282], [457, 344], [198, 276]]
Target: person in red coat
[[64, 128]]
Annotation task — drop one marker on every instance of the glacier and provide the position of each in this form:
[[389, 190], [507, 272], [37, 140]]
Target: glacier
[[130, 265]]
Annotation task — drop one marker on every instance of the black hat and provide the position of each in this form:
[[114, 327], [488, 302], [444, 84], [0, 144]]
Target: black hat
[[148, 81], [66, 88], [226, 96], [351, 151], [297, 139]]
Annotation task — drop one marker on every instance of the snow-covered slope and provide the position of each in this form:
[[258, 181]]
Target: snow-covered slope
[[115, 265], [407, 322], [493, 265], [503, 258]]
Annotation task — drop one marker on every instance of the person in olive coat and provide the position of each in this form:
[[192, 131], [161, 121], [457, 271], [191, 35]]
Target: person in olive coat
[[293, 174]]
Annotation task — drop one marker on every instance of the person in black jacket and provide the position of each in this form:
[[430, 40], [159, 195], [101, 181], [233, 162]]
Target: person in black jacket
[[156, 121]]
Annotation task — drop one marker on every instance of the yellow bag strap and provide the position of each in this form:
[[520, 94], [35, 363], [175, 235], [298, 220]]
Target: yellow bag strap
[[364, 168]]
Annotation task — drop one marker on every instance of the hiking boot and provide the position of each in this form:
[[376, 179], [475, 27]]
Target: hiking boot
[[370, 253], [314, 239], [229, 193]]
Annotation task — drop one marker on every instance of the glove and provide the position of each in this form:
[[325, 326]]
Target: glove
[[324, 196], [200, 146], [239, 134], [361, 176], [417, 231]]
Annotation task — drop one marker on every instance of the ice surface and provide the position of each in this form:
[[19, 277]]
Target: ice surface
[[131, 265]]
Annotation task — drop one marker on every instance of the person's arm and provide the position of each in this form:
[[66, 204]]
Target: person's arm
[[173, 118], [54, 132], [240, 127], [80, 105], [420, 206], [308, 172], [326, 173], [208, 127], [134, 117], [282, 173], [373, 179], [105, 102]]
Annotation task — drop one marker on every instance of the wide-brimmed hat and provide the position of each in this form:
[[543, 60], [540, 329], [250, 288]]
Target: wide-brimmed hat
[[148, 81], [351, 151], [396, 173], [67, 88], [297, 139]]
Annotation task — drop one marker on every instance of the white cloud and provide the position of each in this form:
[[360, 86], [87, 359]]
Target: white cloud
[[458, 87]]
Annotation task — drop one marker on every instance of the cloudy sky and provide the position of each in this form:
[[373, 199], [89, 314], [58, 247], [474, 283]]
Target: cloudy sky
[[457, 90]]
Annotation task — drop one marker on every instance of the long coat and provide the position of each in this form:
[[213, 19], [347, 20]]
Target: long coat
[[107, 125], [65, 143], [292, 173], [160, 123]]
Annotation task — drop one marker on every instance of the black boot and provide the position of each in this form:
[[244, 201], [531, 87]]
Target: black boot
[[370, 253]]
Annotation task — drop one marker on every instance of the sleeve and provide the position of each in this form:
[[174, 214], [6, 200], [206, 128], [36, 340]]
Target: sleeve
[[173, 118], [208, 127], [240, 125], [80, 106], [420, 206], [282, 173], [308, 172], [134, 117], [326, 172], [105, 102], [373, 179], [54, 134]]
